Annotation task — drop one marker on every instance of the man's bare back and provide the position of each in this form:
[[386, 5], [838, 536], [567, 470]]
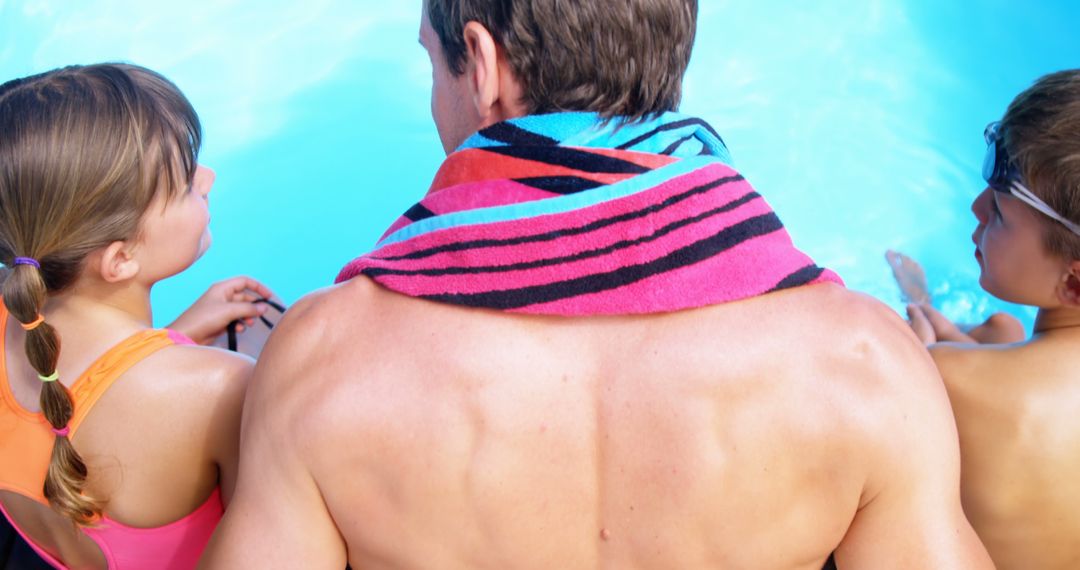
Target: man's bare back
[[1016, 412], [763, 430], [760, 434]]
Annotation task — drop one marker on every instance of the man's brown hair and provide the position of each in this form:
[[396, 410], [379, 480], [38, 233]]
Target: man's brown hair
[[1042, 135], [613, 57]]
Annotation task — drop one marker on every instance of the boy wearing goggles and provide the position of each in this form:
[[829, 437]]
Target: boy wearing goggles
[[1016, 404]]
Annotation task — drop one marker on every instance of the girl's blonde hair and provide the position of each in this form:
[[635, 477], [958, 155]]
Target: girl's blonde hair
[[83, 152]]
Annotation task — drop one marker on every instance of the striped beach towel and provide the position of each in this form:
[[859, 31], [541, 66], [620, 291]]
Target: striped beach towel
[[565, 214]]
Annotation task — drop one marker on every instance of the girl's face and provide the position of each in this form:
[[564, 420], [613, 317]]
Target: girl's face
[[176, 232], [1015, 264]]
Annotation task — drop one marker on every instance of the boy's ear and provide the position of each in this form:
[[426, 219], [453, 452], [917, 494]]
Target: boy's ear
[[116, 262], [1069, 289]]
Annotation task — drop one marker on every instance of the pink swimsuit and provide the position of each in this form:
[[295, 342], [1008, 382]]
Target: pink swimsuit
[[26, 443]]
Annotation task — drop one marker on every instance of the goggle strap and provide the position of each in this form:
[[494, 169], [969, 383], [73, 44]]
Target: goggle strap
[[1024, 195]]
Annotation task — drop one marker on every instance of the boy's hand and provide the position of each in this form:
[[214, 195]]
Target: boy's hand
[[931, 326], [223, 302]]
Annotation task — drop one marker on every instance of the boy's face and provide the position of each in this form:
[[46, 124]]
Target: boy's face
[[1015, 265]]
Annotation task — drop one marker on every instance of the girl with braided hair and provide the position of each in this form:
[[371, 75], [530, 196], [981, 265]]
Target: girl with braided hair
[[117, 440]]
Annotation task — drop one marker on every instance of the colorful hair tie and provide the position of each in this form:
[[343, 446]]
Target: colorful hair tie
[[33, 324], [62, 432], [51, 377], [27, 261]]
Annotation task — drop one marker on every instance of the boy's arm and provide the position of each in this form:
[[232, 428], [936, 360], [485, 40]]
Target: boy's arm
[[931, 326]]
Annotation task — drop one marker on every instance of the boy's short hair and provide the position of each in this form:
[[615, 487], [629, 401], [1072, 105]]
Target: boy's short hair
[[613, 57], [1042, 135]]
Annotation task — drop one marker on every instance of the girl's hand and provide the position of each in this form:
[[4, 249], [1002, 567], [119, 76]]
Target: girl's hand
[[223, 302]]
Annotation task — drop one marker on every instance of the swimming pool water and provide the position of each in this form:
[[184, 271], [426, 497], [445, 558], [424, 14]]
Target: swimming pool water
[[860, 121]]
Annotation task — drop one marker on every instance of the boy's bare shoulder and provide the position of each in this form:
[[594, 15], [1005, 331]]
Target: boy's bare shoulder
[[963, 364]]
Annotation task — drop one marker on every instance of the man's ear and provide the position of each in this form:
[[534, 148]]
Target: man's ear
[[484, 73], [1069, 288], [116, 262]]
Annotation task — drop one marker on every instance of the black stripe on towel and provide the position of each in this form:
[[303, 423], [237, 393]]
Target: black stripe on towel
[[376, 272], [670, 127], [571, 158], [512, 134], [600, 282], [418, 212], [675, 145], [548, 236], [560, 184], [800, 277]]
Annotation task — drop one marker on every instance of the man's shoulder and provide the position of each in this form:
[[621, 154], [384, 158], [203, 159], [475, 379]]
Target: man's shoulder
[[877, 336], [846, 307], [881, 382], [329, 305], [342, 313], [861, 350], [841, 305], [832, 322], [327, 341]]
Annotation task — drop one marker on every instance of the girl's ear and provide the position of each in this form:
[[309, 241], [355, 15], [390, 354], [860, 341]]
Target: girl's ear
[[116, 262], [1069, 289]]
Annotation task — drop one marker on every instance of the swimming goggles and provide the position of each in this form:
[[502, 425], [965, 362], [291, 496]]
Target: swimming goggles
[[1002, 176]]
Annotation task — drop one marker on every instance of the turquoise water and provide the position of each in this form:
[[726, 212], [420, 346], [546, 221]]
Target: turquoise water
[[861, 121]]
